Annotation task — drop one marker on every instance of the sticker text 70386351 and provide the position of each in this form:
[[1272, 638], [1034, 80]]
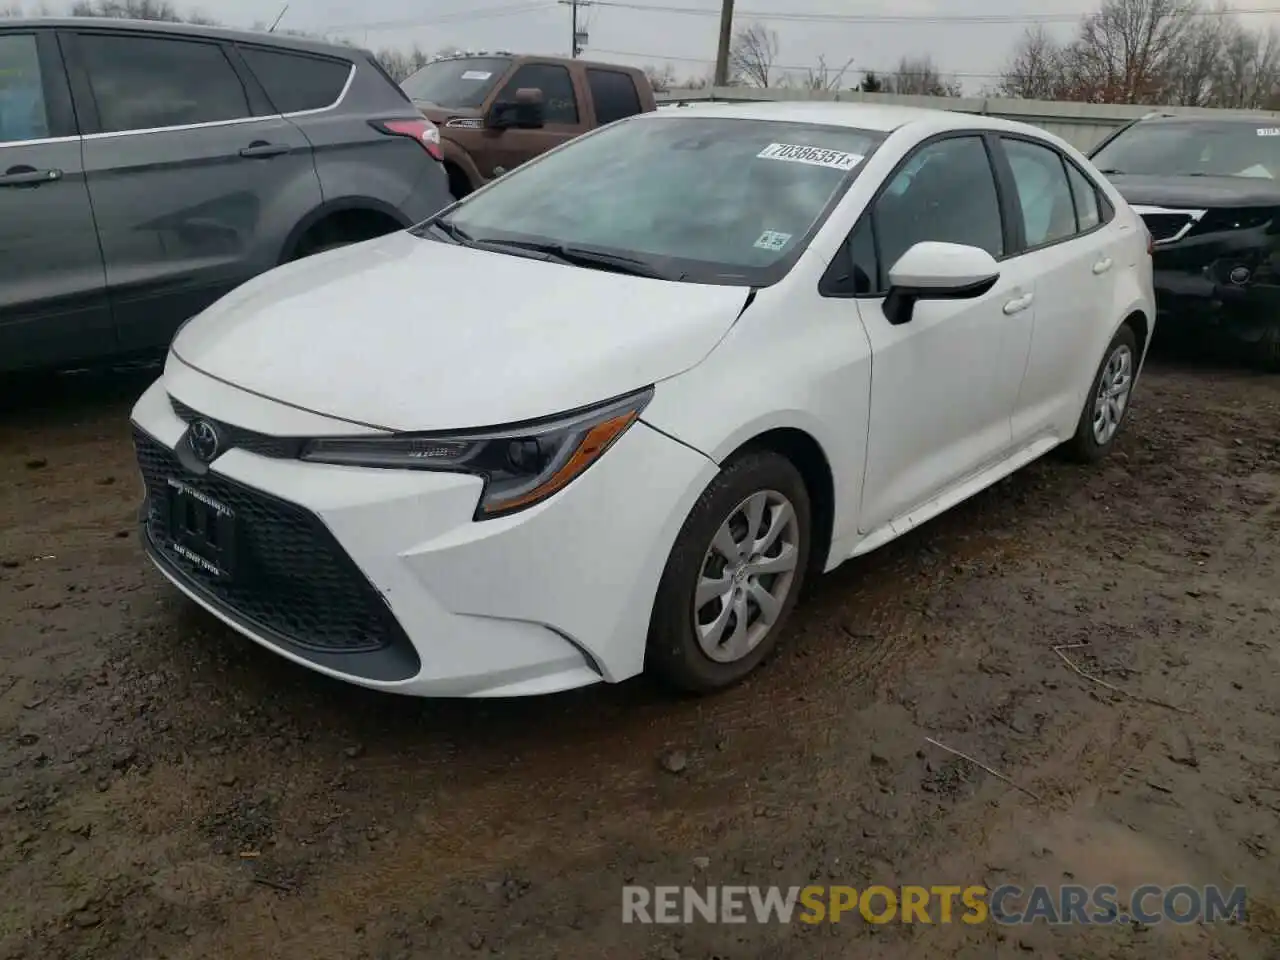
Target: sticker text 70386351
[[814, 156]]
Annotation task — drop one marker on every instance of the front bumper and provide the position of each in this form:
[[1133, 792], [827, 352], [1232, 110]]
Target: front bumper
[[383, 579]]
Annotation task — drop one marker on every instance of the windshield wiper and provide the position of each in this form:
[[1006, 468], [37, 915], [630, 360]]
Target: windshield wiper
[[582, 257], [452, 231], [1111, 172]]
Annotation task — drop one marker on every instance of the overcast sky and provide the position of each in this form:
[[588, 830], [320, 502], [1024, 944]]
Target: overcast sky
[[652, 31]]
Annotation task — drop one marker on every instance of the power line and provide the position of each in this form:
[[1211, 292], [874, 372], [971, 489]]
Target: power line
[[656, 57], [979, 18], [464, 16]]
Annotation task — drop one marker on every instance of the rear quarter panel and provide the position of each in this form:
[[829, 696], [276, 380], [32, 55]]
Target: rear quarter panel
[[352, 159]]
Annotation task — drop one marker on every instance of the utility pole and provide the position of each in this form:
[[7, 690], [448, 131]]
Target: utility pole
[[726, 39], [579, 37]]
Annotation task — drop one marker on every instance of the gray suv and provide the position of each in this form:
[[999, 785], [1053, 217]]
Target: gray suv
[[146, 169]]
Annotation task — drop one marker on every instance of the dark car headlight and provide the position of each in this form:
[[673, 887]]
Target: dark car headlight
[[522, 464]]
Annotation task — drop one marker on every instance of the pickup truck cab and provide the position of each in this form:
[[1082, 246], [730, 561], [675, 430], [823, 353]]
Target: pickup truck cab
[[497, 110]]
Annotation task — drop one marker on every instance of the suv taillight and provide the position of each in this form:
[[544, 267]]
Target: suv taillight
[[421, 129]]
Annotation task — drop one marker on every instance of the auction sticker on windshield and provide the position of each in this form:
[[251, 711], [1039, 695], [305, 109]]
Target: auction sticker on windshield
[[476, 75], [772, 240], [814, 156]]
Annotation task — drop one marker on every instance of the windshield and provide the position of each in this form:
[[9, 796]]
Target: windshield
[[463, 82], [713, 200], [1190, 149]]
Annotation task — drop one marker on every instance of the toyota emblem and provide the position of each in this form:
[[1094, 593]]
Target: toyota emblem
[[204, 440]]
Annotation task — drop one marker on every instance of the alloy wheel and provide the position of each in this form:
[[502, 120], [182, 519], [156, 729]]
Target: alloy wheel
[[746, 576], [1113, 394]]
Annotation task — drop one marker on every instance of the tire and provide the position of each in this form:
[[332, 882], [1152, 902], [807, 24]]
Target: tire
[[1089, 445], [1267, 356], [675, 651]]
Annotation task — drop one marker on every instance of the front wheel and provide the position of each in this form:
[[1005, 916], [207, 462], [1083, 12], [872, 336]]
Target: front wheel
[[733, 576], [1107, 403]]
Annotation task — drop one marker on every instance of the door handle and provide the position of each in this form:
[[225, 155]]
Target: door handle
[[261, 150], [1102, 266], [28, 177], [1019, 304]]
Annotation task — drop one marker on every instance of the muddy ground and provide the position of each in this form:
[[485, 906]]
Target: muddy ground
[[168, 789]]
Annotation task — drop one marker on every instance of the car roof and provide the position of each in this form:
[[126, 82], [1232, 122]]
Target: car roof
[[882, 118], [282, 40], [1243, 119]]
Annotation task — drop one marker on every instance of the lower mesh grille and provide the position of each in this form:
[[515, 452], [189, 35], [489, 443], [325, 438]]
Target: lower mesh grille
[[291, 577]]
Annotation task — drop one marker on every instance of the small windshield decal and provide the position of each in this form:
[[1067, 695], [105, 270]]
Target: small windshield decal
[[1269, 131], [772, 240], [814, 156], [477, 74]]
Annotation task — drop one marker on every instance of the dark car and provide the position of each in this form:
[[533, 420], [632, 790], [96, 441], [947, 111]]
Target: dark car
[[1207, 189], [147, 169]]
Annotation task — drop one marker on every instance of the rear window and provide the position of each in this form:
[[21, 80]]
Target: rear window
[[294, 81], [614, 95]]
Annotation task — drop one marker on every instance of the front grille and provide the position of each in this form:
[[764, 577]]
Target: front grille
[[233, 437], [1166, 225], [292, 579]]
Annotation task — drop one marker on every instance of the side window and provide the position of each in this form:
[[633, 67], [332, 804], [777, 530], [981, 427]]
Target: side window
[[1085, 193], [614, 95], [295, 82], [1044, 195], [23, 114], [558, 99], [946, 192], [140, 83]]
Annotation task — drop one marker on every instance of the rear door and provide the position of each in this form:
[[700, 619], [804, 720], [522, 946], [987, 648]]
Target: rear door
[[1064, 242], [188, 167], [564, 111], [53, 303]]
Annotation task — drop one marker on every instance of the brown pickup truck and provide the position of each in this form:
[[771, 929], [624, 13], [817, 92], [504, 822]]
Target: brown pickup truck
[[497, 110]]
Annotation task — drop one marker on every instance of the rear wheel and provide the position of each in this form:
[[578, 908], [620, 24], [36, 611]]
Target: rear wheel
[[733, 576], [1107, 403]]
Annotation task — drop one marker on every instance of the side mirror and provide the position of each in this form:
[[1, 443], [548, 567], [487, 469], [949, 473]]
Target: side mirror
[[525, 112], [931, 270]]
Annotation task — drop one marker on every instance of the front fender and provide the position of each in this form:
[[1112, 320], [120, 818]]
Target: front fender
[[777, 368]]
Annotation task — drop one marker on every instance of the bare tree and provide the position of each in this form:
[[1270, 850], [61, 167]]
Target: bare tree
[[661, 78], [1152, 52], [823, 77], [920, 76], [1248, 71], [1036, 71], [162, 10], [12, 10], [401, 63], [752, 54], [1128, 51]]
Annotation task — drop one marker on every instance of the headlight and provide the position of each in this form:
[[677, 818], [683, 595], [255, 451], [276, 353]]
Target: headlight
[[522, 464]]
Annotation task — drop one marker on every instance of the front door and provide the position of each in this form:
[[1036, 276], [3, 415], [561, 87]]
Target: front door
[[53, 304], [943, 385], [504, 150], [189, 169]]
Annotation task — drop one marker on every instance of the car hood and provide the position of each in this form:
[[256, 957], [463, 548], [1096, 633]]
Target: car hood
[[406, 333], [1197, 192]]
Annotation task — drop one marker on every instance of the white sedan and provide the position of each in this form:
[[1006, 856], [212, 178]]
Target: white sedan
[[609, 412]]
